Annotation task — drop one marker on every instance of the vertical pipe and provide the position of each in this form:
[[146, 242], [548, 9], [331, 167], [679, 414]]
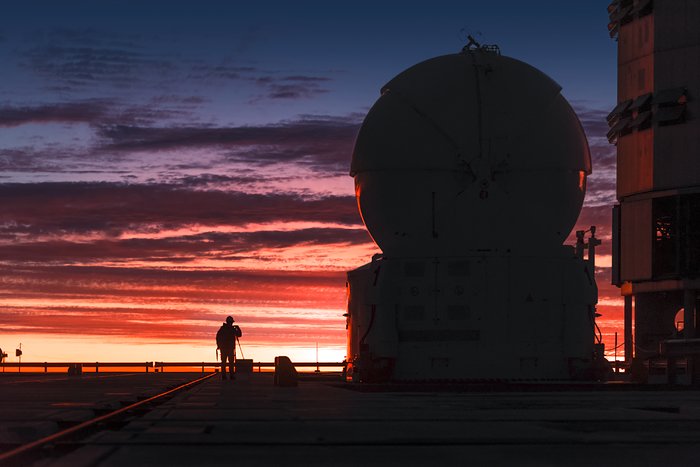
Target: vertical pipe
[[689, 298], [616, 367], [317, 368], [689, 302], [435, 234], [629, 348]]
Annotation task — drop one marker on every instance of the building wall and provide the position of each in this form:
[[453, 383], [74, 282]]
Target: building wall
[[657, 53], [636, 58], [635, 163], [635, 78], [658, 238], [636, 247], [655, 313], [677, 64]]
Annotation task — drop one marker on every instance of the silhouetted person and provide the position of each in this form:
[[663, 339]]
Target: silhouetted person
[[226, 342]]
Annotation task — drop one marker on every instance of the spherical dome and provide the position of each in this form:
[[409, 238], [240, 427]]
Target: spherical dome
[[470, 151]]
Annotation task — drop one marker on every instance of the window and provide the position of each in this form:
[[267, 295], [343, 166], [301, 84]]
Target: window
[[670, 115], [676, 236], [669, 97], [665, 236], [690, 234], [670, 105]]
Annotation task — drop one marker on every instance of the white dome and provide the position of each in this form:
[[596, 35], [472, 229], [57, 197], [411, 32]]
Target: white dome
[[470, 151]]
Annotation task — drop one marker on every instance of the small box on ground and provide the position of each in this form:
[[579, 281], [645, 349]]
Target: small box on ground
[[285, 373], [243, 367]]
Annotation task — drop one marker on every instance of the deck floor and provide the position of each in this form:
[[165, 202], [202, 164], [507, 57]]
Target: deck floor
[[254, 423]]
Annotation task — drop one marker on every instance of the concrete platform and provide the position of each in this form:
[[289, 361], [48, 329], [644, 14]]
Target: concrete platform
[[316, 423], [36, 405]]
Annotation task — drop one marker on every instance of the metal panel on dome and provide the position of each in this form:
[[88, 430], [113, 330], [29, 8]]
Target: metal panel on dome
[[445, 140]]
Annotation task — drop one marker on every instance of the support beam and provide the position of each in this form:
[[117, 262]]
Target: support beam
[[629, 348], [689, 301], [690, 297]]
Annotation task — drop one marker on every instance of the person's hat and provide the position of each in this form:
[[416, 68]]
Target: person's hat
[[229, 319]]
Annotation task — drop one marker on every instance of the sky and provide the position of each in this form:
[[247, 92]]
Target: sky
[[165, 164]]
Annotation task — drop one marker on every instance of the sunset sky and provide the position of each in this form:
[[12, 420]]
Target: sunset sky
[[164, 164]]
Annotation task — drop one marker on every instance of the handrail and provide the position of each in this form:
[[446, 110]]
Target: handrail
[[264, 364], [84, 364], [157, 365], [152, 364]]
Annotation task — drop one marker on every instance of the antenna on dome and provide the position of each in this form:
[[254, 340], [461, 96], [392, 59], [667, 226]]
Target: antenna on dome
[[472, 44]]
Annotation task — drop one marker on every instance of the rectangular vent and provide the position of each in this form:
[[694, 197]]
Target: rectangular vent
[[414, 313], [458, 268], [458, 312], [414, 269], [439, 335]]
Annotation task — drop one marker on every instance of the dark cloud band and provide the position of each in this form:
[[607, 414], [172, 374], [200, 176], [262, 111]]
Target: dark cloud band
[[111, 208]]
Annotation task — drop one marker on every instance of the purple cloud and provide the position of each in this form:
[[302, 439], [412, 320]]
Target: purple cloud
[[55, 208], [317, 141], [71, 112]]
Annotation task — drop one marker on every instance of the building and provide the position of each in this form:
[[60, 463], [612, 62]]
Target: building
[[656, 225]]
